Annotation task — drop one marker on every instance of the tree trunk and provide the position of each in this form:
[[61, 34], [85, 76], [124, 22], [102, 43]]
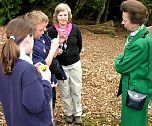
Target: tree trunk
[[106, 10], [105, 28], [100, 12], [79, 5]]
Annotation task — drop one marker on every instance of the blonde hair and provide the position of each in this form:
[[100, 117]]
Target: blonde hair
[[62, 7], [36, 17]]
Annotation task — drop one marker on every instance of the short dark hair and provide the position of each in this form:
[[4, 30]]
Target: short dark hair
[[137, 12]]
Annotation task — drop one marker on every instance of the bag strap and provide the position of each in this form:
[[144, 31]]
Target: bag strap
[[144, 37]]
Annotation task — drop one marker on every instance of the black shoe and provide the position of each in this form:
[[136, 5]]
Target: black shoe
[[78, 120], [69, 119]]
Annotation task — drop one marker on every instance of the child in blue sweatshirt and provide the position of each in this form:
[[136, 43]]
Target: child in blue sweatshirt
[[25, 90]]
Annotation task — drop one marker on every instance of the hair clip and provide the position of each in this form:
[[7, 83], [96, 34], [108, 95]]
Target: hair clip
[[12, 37]]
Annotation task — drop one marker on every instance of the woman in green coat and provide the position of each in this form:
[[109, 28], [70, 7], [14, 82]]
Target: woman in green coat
[[135, 64]]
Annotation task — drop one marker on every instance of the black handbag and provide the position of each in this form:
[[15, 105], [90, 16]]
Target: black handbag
[[136, 100], [57, 69]]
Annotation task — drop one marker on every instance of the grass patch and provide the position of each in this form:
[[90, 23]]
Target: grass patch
[[89, 122], [100, 121]]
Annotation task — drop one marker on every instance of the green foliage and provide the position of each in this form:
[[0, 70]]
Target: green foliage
[[9, 9], [86, 9], [46, 6], [150, 12], [97, 4], [148, 4], [12, 8]]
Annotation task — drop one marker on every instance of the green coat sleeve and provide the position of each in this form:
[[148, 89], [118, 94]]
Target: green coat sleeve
[[131, 59]]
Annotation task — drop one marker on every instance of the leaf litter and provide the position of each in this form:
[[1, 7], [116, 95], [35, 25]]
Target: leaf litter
[[100, 80]]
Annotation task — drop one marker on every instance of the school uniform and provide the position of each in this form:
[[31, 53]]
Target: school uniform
[[25, 96], [41, 50]]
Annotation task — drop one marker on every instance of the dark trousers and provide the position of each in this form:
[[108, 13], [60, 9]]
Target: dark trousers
[[53, 97]]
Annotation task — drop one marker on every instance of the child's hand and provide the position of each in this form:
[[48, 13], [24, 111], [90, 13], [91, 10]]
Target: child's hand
[[55, 43], [44, 71]]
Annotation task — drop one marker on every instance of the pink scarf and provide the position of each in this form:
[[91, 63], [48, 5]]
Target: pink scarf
[[67, 29]]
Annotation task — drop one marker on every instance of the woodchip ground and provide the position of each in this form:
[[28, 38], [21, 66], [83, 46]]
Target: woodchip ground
[[101, 107]]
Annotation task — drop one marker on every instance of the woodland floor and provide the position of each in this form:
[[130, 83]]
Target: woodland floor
[[101, 107]]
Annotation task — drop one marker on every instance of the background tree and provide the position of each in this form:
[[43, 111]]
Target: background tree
[[148, 3], [92, 10], [101, 4], [78, 6], [9, 9]]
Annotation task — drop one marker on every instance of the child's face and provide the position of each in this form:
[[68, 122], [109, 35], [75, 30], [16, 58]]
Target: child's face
[[28, 44], [40, 28]]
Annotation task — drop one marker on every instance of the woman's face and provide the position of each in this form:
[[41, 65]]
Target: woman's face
[[127, 23], [62, 17]]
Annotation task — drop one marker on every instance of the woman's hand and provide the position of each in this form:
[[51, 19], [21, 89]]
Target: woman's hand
[[62, 36], [58, 52]]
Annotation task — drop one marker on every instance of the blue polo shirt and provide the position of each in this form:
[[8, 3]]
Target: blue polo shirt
[[41, 49]]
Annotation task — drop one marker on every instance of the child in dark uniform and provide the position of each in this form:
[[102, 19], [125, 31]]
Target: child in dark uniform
[[25, 91]]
